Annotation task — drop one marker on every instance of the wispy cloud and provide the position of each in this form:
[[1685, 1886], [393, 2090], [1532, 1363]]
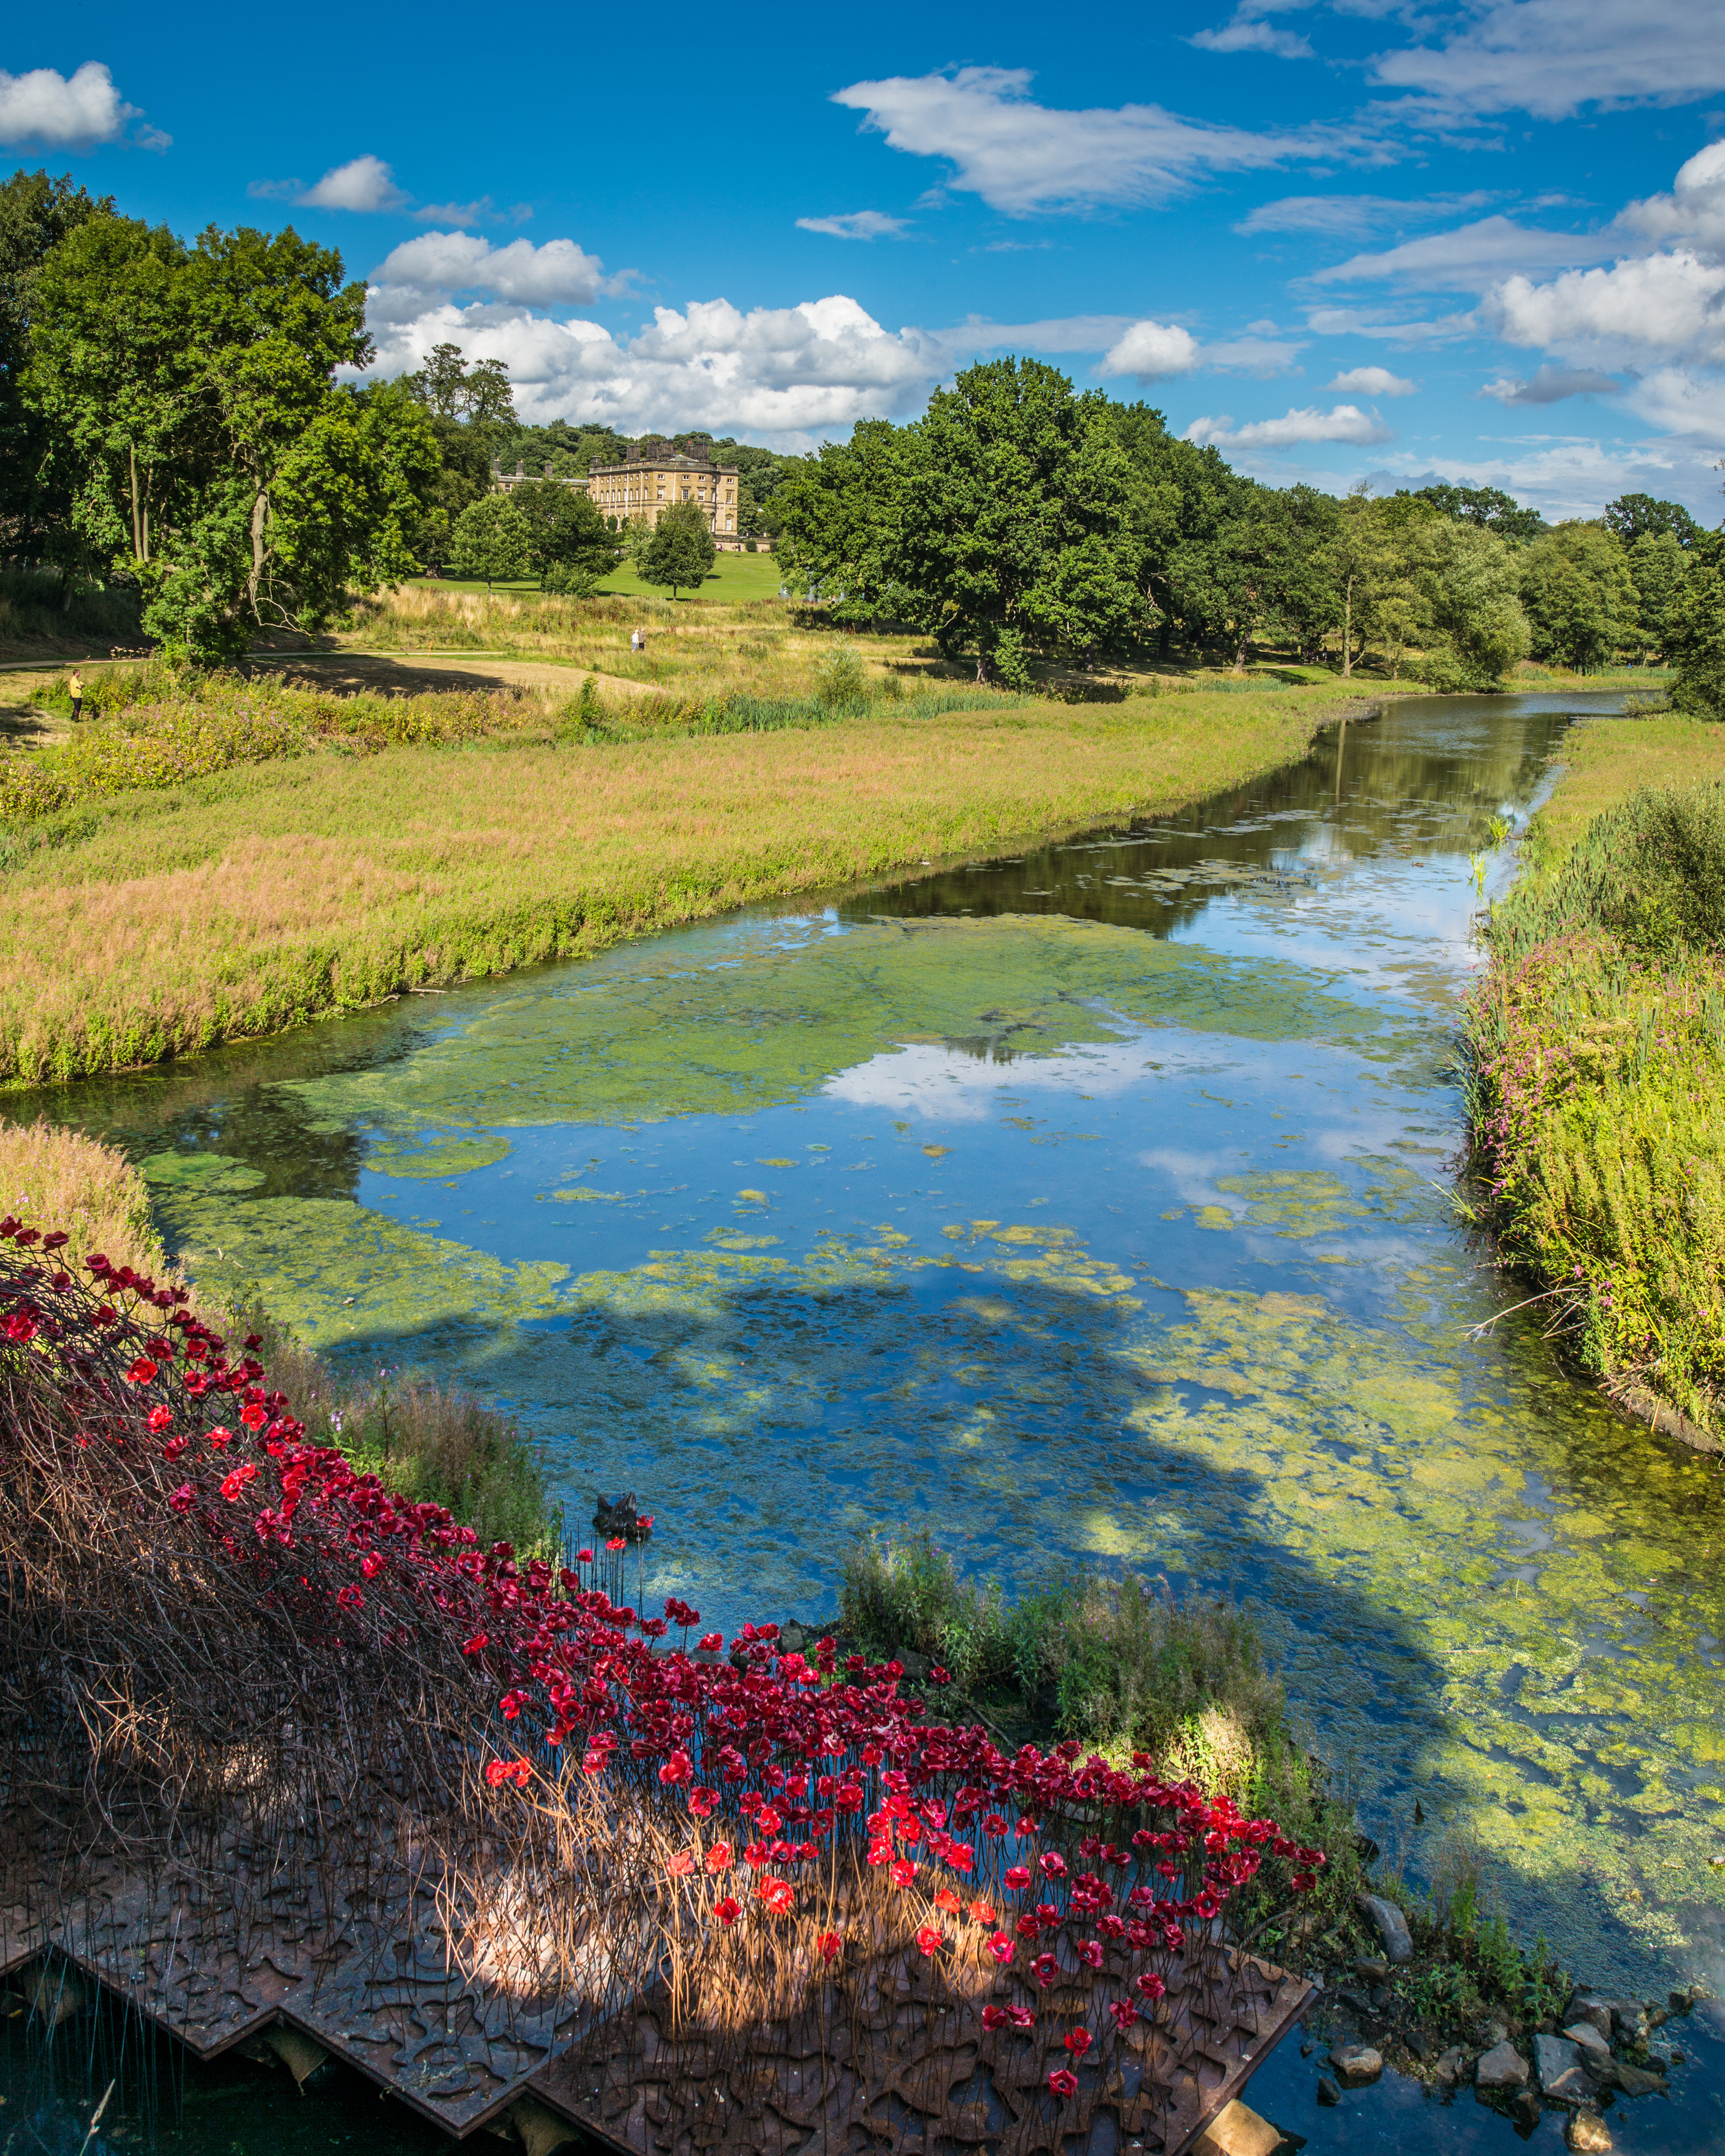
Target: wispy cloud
[[1020, 156], [1344, 423], [1353, 217], [1551, 385], [856, 225]]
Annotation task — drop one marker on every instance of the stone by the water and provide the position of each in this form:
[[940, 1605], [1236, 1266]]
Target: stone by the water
[[1358, 2064], [1587, 2038], [1238, 2131], [1584, 2006], [1562, 2076], [1327, 2090], [1587, 2134], [1391, 1924], [1501, 2070]]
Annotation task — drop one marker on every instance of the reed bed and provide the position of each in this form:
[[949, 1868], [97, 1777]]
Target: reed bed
[[503, 1812], [1595, 1062], [269, 893]]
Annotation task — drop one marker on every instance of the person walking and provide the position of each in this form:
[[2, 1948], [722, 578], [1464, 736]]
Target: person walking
[[76, 685]]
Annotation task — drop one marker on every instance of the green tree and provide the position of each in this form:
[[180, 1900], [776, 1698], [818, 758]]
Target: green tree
[[1010, 535], [680, 548], [838, 515], [1468, 580], [36, 215], [492, 539], [192, 412], [566, 529], [1634, 516], [1696, 649], [1487, 506], [472, 413], [1364, 566], [1579, 595], [1657, 565]]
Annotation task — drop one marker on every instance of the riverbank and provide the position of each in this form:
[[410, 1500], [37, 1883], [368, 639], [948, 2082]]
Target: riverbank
[[267, 893], [1595, 1054], [436, 1444]]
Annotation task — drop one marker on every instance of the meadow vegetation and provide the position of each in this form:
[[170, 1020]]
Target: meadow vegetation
[[239, 900], [1125, 1667], [434, 1444], [1595, 1046]]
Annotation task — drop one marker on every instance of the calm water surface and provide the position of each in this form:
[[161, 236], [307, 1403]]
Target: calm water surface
[[1089, 1205]]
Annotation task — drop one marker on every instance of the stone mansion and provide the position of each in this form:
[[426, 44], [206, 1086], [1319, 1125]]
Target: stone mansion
[[652, 475]]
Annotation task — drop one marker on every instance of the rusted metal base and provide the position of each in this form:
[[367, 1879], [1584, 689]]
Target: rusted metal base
[[900, 2062]]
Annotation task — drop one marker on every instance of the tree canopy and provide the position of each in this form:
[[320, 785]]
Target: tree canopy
[[191, 417]]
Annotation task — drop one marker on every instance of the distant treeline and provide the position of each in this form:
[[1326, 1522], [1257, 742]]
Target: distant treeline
[[1019, 520], [178, 435]]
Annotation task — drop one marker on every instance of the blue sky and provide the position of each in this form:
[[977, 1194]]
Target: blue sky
[[1344, 241]]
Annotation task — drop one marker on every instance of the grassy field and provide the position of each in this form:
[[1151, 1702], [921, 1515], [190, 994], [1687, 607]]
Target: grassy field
[[1596, 1064], [162, 922]]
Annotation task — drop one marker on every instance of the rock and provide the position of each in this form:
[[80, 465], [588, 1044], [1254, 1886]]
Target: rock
[[1657, 2016], [1524, 2110], [1558, 2064], [1664, 2056], [1307, 2048], [793, 1640], [1328, 2092], [1490, 2034], [1392, 1926], [1596, 2012], [1629, 2018], [1421, 2043], [1587, 2040], [1634, 2081], [1234, 2131], [1358, 2064], [1448, 2067], [1502, 2069], [1374, 1972], [1587, 2135]]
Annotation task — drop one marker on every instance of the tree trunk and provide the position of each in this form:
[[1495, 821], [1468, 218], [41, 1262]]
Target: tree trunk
[[1347, 631]]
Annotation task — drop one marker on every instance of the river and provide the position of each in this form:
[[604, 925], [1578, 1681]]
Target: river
[[1090, 1206]]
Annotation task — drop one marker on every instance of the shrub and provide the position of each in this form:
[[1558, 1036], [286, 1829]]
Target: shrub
[[840, 678]]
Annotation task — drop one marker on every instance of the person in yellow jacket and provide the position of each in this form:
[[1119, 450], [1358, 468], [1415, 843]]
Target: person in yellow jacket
[[76, 685]]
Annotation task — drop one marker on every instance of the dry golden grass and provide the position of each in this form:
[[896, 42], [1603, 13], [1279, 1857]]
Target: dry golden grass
[[58, 1178], [258, 898]]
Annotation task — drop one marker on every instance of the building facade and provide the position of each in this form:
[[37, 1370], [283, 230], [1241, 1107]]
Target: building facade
[[654, 473]]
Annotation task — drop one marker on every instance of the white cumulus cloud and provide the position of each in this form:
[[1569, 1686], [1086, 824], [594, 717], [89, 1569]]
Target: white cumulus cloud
[[1343, 423], [1019, 156], [855, 224], [1151, 352], [362, 183], [1668, 306], [558, 274], [67, 112], [784, 375], [1372, 382]]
